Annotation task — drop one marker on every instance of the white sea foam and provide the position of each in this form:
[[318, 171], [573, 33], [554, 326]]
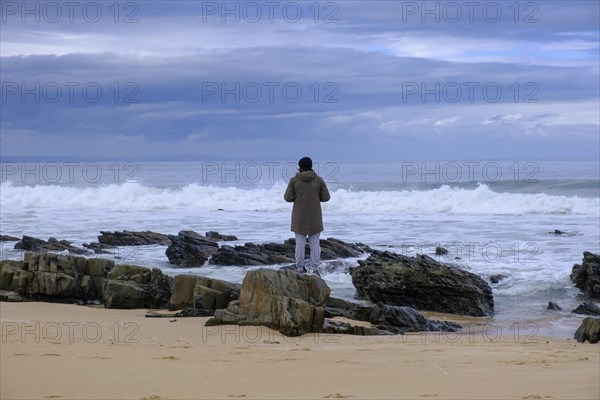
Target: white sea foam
[[445, 199]]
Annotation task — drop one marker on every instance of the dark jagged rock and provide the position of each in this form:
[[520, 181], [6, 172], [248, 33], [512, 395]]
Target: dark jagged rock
[[290, 303], [29, 243], [99, 248], [587, 275], [132, 286], [587, 308], [276, 253], [553, 306], [588, 330], [217, 236], [190, 249], [391, 319], [249, 254], [129, 238], [497, 278], [440, 251], [334, 248], [190, 291], [558, 232], [7, 238], [422, 283]]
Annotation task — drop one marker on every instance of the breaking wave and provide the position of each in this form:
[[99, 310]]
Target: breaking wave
[[445, 199]]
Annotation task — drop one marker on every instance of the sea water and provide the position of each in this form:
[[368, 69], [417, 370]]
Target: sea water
[[494, 217]]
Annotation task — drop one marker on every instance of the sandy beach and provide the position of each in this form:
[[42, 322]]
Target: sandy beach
[[75, 352]]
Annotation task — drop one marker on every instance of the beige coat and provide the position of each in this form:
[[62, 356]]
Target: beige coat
[[307, 190]]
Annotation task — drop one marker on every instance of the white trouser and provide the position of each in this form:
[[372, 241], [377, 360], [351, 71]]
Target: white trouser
[[315, 250]]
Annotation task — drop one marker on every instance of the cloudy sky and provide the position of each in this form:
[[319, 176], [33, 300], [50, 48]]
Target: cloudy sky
[[343, 80]]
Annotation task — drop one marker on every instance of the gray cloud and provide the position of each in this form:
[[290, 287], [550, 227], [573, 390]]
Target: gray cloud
[[379, 83]]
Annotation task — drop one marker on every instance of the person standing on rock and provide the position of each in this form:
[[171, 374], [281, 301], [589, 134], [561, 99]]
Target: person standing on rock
[[307, 190]]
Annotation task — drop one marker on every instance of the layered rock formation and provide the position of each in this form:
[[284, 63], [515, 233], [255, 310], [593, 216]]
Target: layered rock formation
[[295, 304], [283, 300], [190, 291], [61, 278], [47, 276], [131, 286]]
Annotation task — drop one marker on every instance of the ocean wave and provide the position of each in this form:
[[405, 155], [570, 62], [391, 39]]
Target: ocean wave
[[445, 199]]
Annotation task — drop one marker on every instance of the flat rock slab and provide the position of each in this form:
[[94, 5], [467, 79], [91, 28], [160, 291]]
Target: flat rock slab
[[161, 314], [130, 238]]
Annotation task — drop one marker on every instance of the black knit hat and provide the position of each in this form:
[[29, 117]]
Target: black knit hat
[[305, 163]]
